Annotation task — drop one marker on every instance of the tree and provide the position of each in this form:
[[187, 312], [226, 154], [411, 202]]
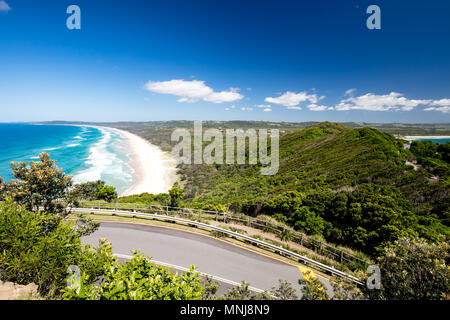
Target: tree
[[85, 191], [308, 222], [138, 279], [39, 185], [414, 270], [444, 151], [38, 247], [284, 291], [107, 193], [176, 195]]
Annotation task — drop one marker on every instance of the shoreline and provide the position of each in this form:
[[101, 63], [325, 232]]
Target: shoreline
[[425, 137], [154, 170]]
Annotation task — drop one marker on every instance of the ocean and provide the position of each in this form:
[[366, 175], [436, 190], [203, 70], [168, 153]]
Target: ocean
[[87, 153], [440, 140]]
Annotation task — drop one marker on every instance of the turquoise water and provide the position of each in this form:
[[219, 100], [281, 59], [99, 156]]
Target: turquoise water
[[87, 153], [441, 141]]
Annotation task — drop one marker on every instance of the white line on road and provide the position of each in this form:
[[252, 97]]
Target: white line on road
[[233, 283]]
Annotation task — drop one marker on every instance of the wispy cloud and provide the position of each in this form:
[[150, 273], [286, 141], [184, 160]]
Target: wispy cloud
[[350, 92], [393, 101], [292, 99], [442, 105], [265, 107], [4, 7], [193, 91], [315, 107], [373, 102]]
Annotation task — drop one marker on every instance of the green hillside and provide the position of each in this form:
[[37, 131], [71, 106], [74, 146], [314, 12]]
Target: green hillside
[[349, 186]]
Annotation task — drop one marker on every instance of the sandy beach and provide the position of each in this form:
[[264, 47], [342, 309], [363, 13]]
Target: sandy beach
[[425, 137], [154, 169]]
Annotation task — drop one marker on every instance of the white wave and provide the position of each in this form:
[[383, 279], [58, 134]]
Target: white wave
[[104, 164], [51, 149]]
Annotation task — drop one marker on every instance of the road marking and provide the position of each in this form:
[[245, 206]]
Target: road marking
[[165, 264], [208, 236], [307, 273], [223, 240]]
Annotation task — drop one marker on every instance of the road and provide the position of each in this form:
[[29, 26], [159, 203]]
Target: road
[[225, 261]]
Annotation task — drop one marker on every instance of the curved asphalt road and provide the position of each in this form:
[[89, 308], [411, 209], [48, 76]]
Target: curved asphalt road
[[209, 255]]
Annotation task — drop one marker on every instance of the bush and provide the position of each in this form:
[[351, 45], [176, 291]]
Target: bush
[[38, 247], [107, 193], [85, 191], [176, 195], [414, 270], [138, 279]]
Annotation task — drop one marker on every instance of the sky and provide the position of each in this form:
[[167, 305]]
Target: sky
[[280, 60]]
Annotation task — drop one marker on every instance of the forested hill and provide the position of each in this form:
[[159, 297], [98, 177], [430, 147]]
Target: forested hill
[[350, 186]]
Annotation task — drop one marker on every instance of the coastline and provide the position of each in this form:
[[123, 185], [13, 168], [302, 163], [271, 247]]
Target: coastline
[[154, 171], [425, 137]]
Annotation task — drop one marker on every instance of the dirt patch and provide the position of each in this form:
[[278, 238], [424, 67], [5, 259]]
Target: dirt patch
[[12, 291]]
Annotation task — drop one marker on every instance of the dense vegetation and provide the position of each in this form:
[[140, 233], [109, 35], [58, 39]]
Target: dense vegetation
[[350, 186], [40, 246], [92, 190]]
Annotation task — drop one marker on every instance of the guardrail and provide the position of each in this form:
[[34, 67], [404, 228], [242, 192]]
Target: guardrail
[[322, 248], [230, 233]]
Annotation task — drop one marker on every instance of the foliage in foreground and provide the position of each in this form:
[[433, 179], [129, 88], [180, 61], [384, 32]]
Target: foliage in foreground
[[138, 279], [38, 247], [414, 270]]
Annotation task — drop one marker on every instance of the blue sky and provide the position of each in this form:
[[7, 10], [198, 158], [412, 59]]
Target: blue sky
[[225, 60]]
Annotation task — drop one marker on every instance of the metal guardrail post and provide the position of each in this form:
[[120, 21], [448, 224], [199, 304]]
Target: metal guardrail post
[[320, 265], [340, 255]]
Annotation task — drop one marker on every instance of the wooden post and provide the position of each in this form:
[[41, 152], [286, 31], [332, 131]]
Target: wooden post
[[134, 207], [98, 203], [216, 215]]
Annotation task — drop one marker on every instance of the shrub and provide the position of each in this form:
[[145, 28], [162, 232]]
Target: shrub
[[38, 247], [138, 279]]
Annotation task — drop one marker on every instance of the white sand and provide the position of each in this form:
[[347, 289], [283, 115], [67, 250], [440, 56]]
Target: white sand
[[425, 137], [154, 169]]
